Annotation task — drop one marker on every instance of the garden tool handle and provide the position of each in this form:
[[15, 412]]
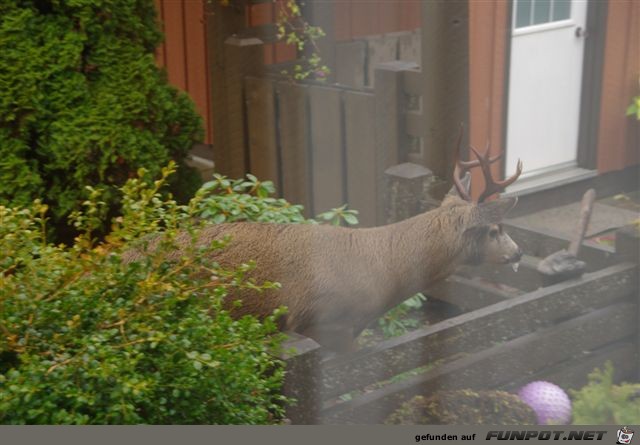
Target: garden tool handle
[[586, 208]]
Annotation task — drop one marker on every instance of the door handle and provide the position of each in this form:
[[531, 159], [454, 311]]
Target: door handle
[[581, 32]]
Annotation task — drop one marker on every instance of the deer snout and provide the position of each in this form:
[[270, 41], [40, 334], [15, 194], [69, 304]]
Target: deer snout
[[517, 256], [511, 254]]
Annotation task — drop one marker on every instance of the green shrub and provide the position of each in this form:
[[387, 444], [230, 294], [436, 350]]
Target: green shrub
[[397, 320], [82, 102], [86, 339], [226, 200], [603, 403]]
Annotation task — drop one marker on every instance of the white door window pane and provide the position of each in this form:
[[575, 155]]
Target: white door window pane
[[523, 13], [541, 11], [561, 9]]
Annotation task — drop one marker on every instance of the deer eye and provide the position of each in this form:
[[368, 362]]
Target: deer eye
[[494, 232]]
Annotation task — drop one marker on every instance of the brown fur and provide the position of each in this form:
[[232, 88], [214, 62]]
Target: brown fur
[[336, 280]]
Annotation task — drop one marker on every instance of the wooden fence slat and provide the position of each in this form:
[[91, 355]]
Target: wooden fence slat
[[293, 125], [326, 148], [301, 377], [497, 365], [350, 63], [380, 49], [409, 46], [573, 374], [362, 187], [468, 294], [478, 329], [240, 57], [445, 70], [414, 124], [391, 140], [412, 82], [263, 151], [221, 23]]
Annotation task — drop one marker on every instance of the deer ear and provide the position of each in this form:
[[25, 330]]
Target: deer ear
[[493, 212], [466, 183]]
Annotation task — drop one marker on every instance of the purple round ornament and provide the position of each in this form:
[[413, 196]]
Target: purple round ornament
[[550, 403]]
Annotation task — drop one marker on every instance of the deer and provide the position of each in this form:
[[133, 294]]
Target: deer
[[336, 280]]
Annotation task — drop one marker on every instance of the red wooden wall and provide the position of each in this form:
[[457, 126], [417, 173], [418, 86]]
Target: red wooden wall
[[264, 13], [488, 30], [184, 52], [619, 136], [354, 19], [184, 55]]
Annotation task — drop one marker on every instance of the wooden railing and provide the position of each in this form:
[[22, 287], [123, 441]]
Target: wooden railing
[[506, 330]]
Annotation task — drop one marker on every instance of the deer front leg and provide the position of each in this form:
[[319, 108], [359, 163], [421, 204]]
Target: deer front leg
[[337, 338]]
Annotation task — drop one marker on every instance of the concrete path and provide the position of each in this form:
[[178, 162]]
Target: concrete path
[[608, 214]]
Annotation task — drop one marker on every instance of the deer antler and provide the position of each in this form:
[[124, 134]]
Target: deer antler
[[484, 161], [460, 165]]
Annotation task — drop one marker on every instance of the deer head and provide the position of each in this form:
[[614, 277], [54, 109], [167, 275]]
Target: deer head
[[485, 240]]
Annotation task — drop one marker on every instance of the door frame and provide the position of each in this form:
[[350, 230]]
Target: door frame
[[590, 96]]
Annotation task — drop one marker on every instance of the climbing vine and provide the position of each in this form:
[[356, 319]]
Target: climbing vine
[[634, 107], [293, 29]]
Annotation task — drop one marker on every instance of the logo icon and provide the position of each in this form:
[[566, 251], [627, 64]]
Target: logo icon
[[625, 434]]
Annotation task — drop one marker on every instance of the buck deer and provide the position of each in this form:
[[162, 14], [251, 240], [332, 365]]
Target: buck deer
[[336, 280]]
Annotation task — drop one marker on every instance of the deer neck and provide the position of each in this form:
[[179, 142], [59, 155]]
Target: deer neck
[[424, 249]]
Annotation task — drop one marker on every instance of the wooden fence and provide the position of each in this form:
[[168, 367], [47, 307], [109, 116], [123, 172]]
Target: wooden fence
[[506, 330], [322, 145], [328, 144]]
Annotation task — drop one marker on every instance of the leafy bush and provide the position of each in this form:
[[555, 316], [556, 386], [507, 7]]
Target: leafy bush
[[226, 200], [82, 102], [396, 321], [88, 340], [603, 403]]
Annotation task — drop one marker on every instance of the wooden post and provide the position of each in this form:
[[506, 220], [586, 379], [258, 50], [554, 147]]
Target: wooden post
[[628, 243], [221, 22], [261, 130], [322, 14], [327, 151], [445, 71], [302, 379], [628, 249], [390, 137], [408, 191], [293, 127], [243, 57], [362, 188], [231, 58]]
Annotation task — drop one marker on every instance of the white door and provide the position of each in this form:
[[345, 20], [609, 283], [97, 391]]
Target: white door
[[545, 78]]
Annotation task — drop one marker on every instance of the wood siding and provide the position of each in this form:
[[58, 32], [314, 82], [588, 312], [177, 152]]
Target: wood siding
[[619, 139], [488, 43], [355, 19], [184, 56], [184, 52]]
